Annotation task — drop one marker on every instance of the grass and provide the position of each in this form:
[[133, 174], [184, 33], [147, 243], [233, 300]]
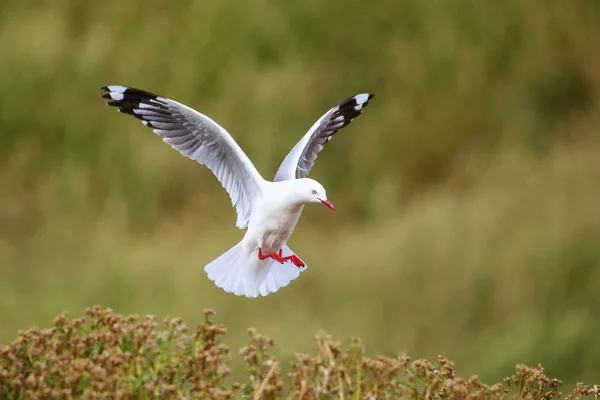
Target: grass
[[108, 355], [492, 275]]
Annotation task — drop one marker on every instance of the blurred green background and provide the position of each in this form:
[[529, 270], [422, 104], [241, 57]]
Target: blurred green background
[[467, 194]]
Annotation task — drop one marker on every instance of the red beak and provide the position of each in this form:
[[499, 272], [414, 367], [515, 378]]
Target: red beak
[[328, 204]]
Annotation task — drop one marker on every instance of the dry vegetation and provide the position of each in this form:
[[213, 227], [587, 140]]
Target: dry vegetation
[[105, 355]]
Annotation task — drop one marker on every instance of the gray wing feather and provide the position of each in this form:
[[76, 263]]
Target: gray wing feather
[[198, 137], [302, 157]]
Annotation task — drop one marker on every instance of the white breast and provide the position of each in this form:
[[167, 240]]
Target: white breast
[[272, 225]]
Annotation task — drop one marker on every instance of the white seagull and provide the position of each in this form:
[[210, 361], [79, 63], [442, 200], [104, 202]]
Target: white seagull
[[261, 263]]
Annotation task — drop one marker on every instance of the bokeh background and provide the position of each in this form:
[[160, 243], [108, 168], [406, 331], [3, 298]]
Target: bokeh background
[[467, 194]]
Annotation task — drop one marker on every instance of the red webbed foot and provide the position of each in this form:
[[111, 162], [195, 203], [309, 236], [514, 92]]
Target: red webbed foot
[[273, 255], [293, 258], [296, 260]]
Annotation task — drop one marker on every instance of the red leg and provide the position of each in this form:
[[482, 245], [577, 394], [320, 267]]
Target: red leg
[[276, 257], [280, 258]]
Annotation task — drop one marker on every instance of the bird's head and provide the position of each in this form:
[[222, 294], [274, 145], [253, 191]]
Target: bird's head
[[312, 191]]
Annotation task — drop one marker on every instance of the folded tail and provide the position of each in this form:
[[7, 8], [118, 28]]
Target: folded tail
[[240, 271]]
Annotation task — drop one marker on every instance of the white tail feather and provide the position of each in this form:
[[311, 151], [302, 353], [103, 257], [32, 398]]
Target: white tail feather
[[240, 271]]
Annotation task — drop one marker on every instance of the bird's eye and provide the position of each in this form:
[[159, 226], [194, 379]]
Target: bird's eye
[[314, 191]]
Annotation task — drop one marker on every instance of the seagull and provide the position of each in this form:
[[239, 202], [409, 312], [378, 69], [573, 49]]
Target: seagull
[[261, 263]]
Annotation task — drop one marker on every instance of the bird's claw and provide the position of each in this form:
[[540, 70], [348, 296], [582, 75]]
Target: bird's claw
[[296, 260], [280, 258], [293, 258], [273, 255]]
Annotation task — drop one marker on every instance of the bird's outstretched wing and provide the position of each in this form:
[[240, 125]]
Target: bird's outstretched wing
[[198, 137], [302, 157]]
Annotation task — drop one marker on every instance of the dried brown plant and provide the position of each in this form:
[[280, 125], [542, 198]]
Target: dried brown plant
[[105, 355]]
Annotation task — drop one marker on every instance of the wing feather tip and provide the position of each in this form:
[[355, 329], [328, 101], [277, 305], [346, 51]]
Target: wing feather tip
[[328, 125]]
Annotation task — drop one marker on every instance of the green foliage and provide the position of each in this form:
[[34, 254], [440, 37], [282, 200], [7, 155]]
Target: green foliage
[[107, 355], [451, 78]]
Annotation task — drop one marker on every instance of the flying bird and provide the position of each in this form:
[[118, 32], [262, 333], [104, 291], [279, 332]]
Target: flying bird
[[261, 263]]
